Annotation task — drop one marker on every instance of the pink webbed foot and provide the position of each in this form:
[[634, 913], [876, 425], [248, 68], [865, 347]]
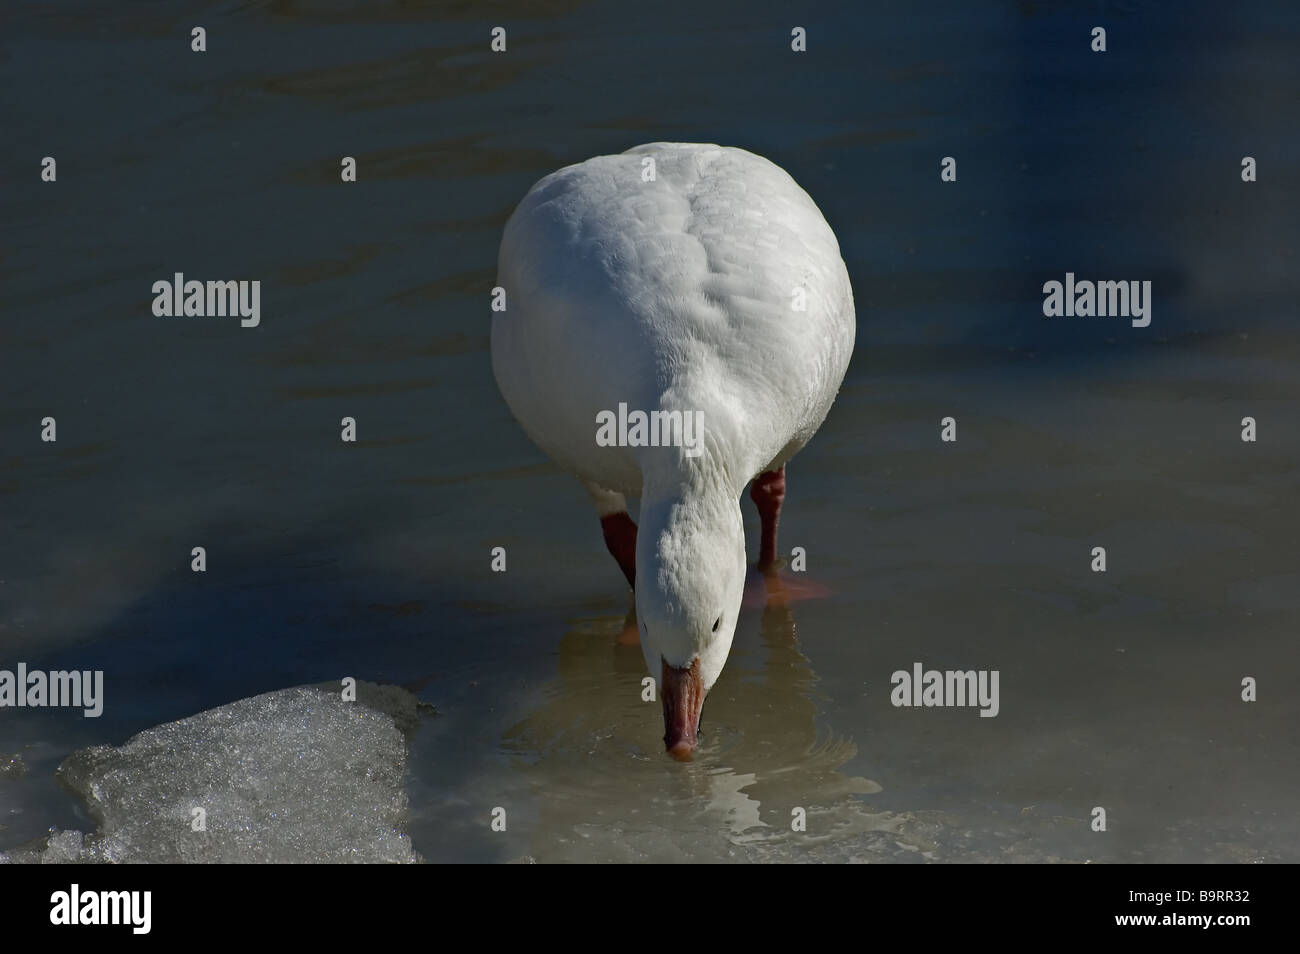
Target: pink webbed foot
[[773, 587]]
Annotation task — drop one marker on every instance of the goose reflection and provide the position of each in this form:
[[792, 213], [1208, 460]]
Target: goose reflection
[[605, 791]]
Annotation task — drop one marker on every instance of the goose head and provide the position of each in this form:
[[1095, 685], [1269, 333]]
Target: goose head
[[690, 578]]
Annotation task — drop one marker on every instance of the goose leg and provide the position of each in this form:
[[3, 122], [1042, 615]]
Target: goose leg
[[618, 527], [620, 538], [768, 492]]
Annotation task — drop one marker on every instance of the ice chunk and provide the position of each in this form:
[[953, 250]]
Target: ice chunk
[[296, 775], [64, 847]]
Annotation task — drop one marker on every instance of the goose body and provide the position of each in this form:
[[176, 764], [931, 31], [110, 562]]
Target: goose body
[[674, 277]]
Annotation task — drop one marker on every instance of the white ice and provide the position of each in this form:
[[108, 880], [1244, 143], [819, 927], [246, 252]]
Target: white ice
[[296, 775]]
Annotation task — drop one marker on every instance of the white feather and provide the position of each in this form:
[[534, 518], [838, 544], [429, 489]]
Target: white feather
[[676, 293]]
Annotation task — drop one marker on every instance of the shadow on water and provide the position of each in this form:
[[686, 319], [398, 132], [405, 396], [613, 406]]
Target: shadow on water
[[269, 613]]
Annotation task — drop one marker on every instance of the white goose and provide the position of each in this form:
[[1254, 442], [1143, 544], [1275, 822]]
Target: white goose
[[675, 277]]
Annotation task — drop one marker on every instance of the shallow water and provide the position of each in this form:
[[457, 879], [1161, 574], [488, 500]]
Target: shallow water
[[1118, 690]]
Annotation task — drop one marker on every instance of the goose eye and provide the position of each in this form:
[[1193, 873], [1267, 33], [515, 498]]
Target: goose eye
[[716, 623]]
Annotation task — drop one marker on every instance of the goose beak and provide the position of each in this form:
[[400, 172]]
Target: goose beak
[[682, 692]]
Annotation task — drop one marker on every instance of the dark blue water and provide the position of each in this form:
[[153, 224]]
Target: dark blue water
[[371, 559]]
